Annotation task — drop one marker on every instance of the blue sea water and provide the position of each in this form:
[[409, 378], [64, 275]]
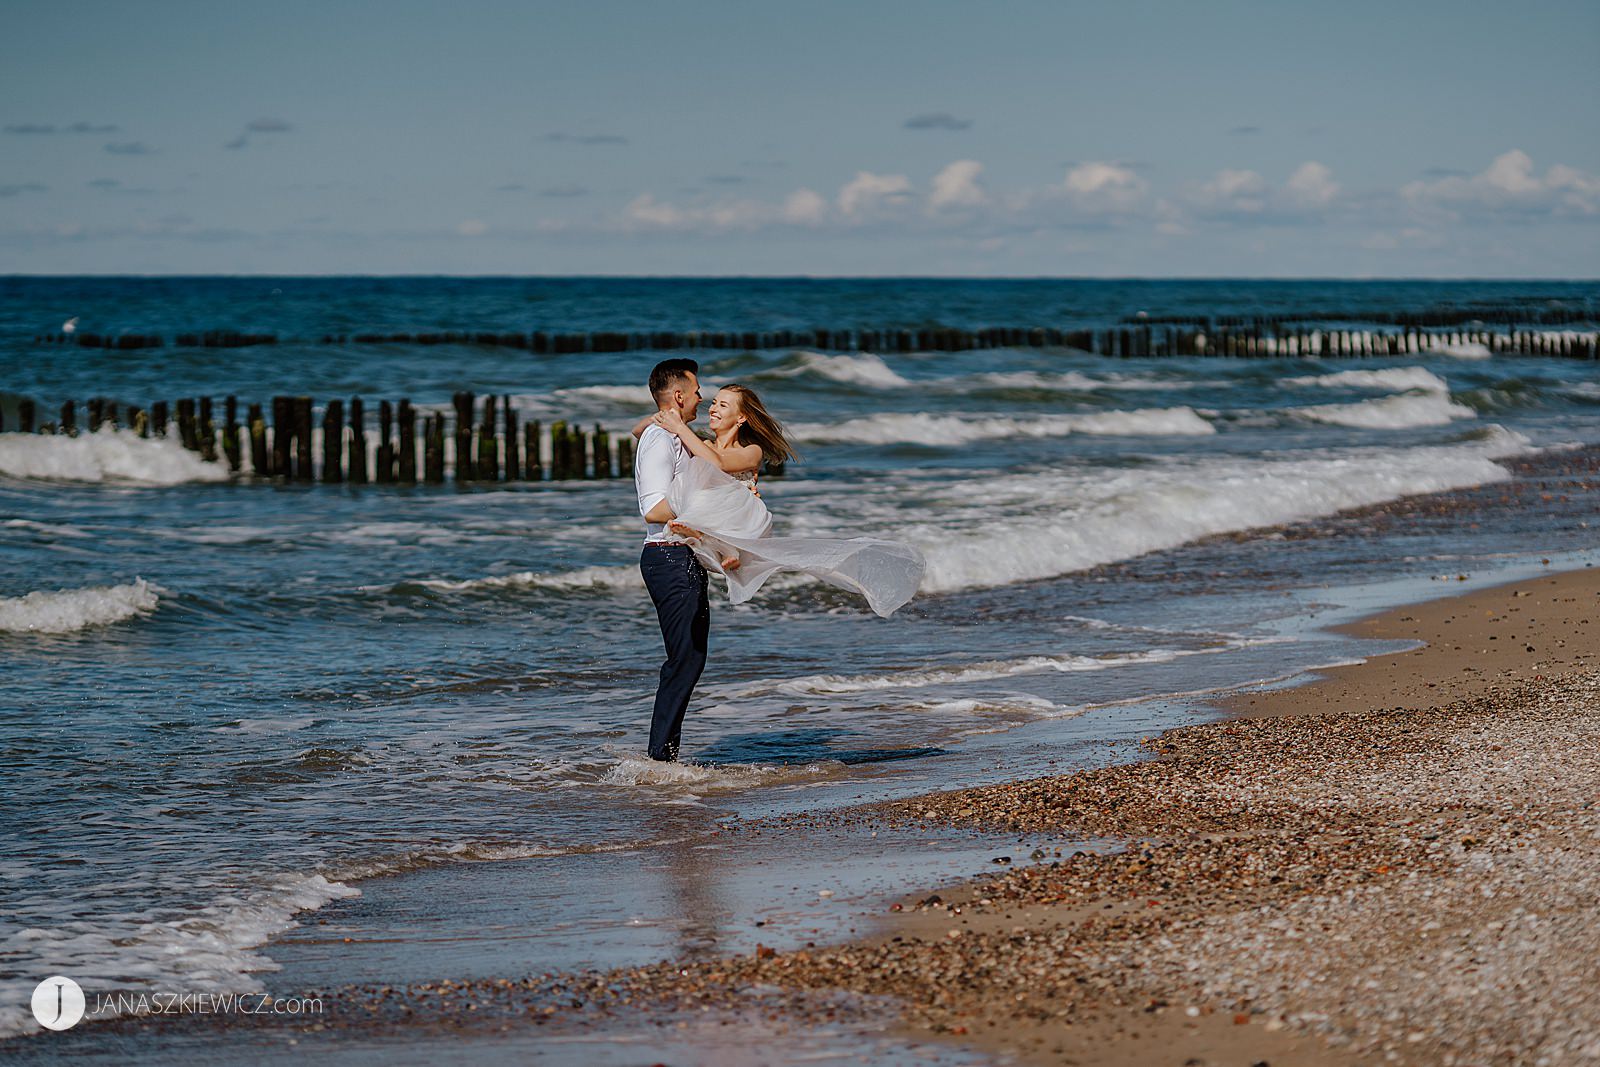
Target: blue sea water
[[230, 702]]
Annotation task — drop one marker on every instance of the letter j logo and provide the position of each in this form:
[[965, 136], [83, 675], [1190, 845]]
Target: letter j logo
[[58, 1003]]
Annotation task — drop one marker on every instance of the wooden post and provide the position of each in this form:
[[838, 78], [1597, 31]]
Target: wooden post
[[187, 434], [464, 402], [282, 436], [433, 449], [207, 431], [406, 416], [534, 451], [558, 450], [158, 418], [333, 442], [358, 443], [139, 421], [602, 452], [95, 407], [68, 420], [513, 451], [383, 471], [302, 438], [25, 415], [625, 456], [488, 465], [259, 463], [230, 431]]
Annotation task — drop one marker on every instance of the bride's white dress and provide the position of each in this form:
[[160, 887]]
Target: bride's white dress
[[736, 522]]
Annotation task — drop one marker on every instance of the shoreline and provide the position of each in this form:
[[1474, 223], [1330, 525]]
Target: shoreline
[[1233, 827], [1344, 831]]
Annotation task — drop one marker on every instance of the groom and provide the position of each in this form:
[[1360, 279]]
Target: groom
[[676, 580]]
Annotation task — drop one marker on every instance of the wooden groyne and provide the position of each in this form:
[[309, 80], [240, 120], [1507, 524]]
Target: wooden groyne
[[284, 440], [1240, 336]]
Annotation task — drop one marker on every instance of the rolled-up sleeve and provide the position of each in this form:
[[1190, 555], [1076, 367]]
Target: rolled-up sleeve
[[652, 468]]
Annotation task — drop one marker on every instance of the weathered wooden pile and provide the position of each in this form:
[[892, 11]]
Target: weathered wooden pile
[[479, 445]]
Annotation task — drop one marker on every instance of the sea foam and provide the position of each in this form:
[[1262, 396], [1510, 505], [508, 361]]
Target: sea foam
[[921, 428], [957, 674], [864, 369], [1392, 379], [67, 610], [1398, 412], [207, 950], [1078, 523], [110, 456], [583, 579]]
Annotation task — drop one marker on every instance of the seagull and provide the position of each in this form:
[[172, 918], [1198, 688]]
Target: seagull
[[70, 326]]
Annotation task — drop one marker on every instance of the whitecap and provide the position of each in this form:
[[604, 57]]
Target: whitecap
[[67, 610], [1465, 350], [1398, 412], [1047, 524], [583, 579], [863, 369], [1393, 379], [921, 428], [1073, 381]]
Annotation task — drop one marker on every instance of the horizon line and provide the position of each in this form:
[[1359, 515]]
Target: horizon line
[[19, 276]]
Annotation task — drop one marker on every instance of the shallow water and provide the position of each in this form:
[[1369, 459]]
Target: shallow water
[[230, 703]]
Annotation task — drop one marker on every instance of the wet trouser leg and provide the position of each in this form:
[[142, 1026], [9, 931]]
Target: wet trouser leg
[[677, 584]]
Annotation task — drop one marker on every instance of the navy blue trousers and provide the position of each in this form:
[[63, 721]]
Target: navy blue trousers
[[677, 585]]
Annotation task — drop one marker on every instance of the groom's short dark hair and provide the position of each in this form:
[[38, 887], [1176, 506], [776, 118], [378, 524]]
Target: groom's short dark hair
[[668, 373]]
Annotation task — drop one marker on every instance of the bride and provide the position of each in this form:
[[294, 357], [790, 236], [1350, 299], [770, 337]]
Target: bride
[[720, 512]]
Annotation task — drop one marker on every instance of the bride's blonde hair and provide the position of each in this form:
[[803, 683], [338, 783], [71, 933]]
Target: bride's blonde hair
[[760, 428]]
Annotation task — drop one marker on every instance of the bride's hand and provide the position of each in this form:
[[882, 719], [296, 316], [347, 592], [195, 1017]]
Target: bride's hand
[[671, 419]]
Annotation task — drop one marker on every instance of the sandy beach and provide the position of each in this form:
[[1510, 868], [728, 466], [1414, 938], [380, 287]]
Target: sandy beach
[[1396, 864]]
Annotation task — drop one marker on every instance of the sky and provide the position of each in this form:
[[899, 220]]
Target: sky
[[1004, 138]]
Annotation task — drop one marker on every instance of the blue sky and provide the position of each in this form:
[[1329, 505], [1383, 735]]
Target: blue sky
[[1001, 138]]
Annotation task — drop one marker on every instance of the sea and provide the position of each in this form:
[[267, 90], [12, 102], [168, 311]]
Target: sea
[[229, 704]]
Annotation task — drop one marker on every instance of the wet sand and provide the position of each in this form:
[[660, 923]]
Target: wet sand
[[1397, 864]]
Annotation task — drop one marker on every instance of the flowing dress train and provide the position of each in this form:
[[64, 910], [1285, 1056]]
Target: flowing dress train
[[736, 522]]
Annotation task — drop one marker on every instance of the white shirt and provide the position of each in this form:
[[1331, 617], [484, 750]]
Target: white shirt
[[660, 458]]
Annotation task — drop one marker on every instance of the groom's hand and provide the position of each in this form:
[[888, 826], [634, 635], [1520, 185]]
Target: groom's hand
[[685, 531]]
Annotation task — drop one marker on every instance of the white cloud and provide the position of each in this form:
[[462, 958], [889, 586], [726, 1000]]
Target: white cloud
[[957, 186], [1510, 185], [645, 209], [472, 228], [1101, 186], [1242, 191], [867, 191], [1245, 196], [646, 212], [1312, 184], [805, 208]]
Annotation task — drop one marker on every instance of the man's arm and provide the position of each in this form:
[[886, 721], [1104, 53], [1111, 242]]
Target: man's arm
[[652, 469]]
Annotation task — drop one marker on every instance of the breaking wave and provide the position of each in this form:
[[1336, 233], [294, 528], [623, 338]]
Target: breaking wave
[[1399, 412], [920, 428], [109, 456], [67, 610]]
